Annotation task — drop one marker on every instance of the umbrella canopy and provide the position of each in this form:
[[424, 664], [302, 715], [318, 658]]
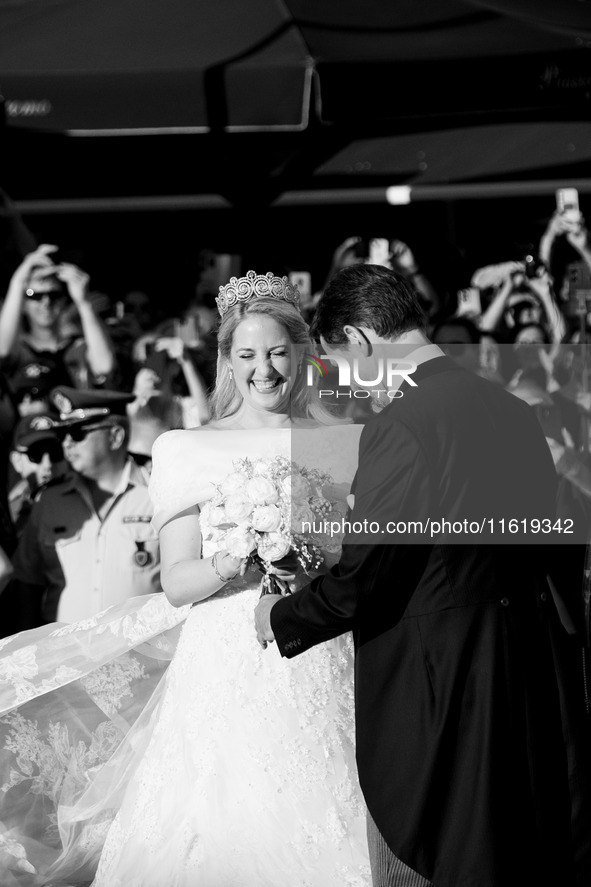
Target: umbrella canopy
[[88, 66], [330, 85]]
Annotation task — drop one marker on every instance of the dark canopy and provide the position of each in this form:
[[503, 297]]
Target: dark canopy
[[244, 97]]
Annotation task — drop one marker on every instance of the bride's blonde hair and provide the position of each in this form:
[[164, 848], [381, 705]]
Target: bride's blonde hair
[[225, 399]]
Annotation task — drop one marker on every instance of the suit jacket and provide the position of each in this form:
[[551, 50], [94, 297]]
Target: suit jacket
[[459, 746]]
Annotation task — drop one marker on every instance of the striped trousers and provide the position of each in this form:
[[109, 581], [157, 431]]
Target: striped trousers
[[386, 869]]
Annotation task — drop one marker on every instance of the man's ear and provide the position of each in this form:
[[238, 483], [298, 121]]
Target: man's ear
[[16, 461], [117, 437], [357, 339]]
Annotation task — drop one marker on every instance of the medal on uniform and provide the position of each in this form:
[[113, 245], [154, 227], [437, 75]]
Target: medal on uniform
[[141, 556]]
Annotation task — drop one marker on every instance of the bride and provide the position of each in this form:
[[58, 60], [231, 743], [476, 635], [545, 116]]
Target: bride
[[239, 770]]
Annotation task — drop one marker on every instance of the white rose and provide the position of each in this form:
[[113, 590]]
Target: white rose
[[238, 508], [262, 468], [214, 535], [274, 546], [234, 483], [296, 486], [217, 516], [239, 542], [261, 491], [266, 518]]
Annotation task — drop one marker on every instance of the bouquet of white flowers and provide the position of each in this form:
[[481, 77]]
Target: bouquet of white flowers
[[268, 508]]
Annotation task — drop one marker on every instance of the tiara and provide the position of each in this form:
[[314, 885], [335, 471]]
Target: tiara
[[256, 286]]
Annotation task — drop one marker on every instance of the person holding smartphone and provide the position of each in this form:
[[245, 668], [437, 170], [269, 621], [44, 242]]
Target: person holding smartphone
[[30, 324], [394, 254]]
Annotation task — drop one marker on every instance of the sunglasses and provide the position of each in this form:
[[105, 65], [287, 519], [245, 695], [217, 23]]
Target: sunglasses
[[79, 433], [140, 459], [52, 295], [53, 448]]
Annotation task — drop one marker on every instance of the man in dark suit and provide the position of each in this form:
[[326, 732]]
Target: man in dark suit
[[460, 749]]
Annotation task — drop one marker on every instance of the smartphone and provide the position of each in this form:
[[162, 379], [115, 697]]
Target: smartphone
[[567, 204], [379, 251], [303, 281], [157, 361], [187, 331], [469, 304], [531, 266]]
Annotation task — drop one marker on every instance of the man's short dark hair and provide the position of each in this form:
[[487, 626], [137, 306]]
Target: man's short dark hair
[[368, 296]]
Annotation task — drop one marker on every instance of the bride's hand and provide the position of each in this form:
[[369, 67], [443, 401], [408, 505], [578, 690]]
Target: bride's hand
[[230, 566]]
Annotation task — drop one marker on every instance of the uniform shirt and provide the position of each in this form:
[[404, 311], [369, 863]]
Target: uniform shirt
[[20, 502], [84, 561], [25, 366]]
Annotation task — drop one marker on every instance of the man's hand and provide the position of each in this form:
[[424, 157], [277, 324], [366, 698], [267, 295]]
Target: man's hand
[[39, 258], [262, 619], [541, 285], [495, 275], [342, 249], [173, 345], [402, 258], [147, 384], [76, 281]]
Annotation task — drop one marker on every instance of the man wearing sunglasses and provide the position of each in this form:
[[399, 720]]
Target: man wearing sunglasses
[[89, 542], [37, 458], [31, 324]]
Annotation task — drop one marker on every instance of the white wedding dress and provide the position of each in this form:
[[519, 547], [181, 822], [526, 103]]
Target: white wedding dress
[[240, 770]]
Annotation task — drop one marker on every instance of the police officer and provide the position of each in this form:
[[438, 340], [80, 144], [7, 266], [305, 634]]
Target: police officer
[[89, 543], [37, 458]]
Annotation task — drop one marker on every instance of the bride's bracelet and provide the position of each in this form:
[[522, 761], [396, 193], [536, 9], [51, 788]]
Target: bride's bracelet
[[214, 564]]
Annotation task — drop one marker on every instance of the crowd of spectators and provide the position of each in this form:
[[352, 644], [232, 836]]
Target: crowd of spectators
[[523, 324]]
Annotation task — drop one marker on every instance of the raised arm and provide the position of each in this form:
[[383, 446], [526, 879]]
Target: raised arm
[[491, 318], [176, 350], [100, 353], [555, 228], [579, 240], [12, 309], [403, 260], [542, 288]]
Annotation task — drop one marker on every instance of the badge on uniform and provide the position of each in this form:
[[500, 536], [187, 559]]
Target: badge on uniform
[[141, 556]]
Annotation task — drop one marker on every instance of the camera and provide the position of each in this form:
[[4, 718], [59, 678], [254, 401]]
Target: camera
[[532, 266], [361, 248], [375, 250]]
